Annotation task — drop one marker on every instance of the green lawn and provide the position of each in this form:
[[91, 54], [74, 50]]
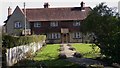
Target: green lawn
[[49, 52], [86, 50], [49, 56]]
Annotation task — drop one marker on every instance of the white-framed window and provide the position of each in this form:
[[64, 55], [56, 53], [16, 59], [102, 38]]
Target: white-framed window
[[77, 35], [53, 36], [37, 24], [17, 24], [54, 24], [76, 23]]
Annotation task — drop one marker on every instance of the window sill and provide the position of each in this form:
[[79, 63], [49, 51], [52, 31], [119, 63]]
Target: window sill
[[17, 27], [53, 39], [77, 38]]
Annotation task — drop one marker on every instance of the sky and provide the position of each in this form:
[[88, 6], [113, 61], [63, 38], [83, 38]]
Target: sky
[[4, 4]]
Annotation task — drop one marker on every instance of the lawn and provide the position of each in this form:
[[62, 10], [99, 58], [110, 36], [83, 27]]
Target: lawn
[[86, 50], [49, 52], [49, 56]]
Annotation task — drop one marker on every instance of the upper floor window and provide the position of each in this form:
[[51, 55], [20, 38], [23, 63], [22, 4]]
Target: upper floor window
[[76, 35], [76, 23], [37, 24], [54, 24], [17, 24]]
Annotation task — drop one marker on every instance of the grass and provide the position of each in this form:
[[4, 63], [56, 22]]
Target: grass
[[49, 56], [48, 53], [86, 50]]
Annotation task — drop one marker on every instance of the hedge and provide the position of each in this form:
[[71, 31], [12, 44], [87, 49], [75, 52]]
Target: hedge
[[12, 41]]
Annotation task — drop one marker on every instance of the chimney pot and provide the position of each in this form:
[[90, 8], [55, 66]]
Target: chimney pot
[[82, 5]]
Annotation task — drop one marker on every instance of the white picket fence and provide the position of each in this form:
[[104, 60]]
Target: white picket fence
[[13, 55]]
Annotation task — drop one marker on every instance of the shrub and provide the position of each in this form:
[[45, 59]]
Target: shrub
[[71, 48], [116, 65], [29, 54], [62, 56], [77, 54], [12, 41], [61, 49], [68, 45], [44, 44], [61, 45]]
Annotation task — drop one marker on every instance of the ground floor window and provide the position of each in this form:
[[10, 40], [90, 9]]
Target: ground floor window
[[77, 35], [53, 36]]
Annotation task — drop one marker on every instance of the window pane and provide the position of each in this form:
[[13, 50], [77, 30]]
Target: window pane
[[37, 24], [76, 35], [76, 23], [54, 24], [17, 25]]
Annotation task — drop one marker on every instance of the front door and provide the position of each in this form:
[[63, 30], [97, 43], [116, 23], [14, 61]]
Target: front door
[[65, 38]]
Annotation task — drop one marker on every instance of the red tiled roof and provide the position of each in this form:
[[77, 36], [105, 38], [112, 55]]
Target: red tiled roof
[[54, 14]]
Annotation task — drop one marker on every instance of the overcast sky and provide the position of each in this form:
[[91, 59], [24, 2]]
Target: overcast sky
[[4, 4]]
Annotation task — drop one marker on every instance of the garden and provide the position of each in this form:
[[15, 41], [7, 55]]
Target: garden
[[48, 56]]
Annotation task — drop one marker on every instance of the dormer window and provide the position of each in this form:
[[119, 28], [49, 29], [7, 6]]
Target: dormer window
[[17, 24], [37, 24], [76, 23], [54, 24]]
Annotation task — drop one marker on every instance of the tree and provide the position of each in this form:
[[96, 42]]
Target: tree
[[104, 23]]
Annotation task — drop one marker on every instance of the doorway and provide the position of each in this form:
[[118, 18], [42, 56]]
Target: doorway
[[65, 37]]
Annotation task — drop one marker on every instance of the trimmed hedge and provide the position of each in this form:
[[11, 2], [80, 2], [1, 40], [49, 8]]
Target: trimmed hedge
[[12, 41]]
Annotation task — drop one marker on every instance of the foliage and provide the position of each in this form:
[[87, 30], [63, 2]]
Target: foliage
[[62, 56], [77, 54], [11, 41], [104, 23]]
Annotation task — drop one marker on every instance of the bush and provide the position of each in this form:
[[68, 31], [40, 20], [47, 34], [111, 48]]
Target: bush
[[77, 54], [62, 56], [61, 49], [61, 45], [71, 48], [44, 44], [68, 45], [12, 41], [116, 65]]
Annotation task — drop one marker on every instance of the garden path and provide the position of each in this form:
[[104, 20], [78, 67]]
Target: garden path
[[67, 52], [80, 61]]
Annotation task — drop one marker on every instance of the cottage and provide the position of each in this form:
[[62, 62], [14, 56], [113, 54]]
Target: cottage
[[58, 24]]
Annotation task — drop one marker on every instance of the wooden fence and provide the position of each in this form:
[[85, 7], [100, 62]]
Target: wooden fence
[[15, 54]]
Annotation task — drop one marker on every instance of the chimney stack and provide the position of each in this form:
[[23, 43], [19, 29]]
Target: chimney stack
[[9, 11], [82, 5], [46, 5]]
